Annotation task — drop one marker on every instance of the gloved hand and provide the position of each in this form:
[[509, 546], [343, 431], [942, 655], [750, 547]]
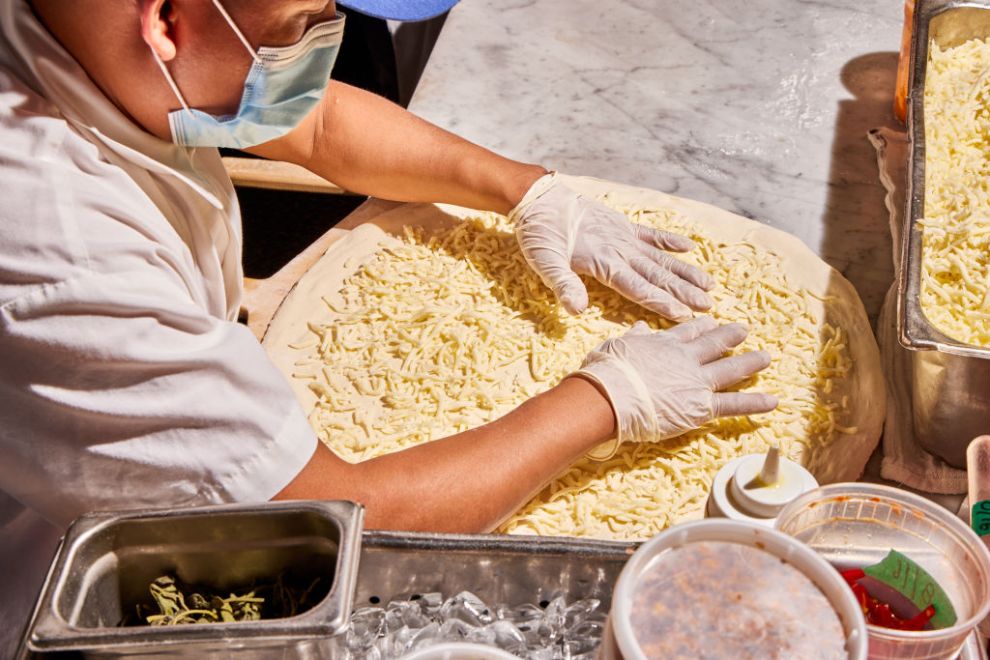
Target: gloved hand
[[661, 384], [562, 235]]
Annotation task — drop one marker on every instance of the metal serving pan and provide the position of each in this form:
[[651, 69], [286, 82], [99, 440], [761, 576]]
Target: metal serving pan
[[950, 380], [107, 560], [499, 569]]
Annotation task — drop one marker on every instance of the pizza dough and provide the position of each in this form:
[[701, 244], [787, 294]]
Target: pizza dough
[[644, 488]]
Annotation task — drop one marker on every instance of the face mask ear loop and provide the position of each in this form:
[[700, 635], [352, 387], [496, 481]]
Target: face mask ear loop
[[171, 81], [237, 30]]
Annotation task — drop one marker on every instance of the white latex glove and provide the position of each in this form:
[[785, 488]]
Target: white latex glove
[[662, 384], [562, 235]]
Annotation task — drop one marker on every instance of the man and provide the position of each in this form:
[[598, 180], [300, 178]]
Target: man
[[125, 380]]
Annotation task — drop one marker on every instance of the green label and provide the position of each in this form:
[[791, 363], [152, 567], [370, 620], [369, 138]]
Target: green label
[[979, 517], [915, 584]]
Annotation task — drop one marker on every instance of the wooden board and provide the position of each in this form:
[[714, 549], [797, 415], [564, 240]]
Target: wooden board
[[277, 175]]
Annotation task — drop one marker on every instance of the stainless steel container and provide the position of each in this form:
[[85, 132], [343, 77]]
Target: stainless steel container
[[107, 561], [499, 569], [951, 380]]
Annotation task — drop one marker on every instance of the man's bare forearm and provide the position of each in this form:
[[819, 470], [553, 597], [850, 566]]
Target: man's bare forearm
[[472, 481], [371, 146]]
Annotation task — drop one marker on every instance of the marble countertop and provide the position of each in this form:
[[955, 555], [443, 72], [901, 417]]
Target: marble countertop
[[760, 107]]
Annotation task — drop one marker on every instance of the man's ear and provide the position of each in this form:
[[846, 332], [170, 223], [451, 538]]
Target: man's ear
[[157, 23]]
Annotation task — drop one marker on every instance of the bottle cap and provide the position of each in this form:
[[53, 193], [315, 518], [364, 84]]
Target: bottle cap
[[756, 487]]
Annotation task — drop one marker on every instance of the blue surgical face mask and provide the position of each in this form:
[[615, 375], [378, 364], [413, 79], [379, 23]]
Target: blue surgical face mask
[[283, 86]]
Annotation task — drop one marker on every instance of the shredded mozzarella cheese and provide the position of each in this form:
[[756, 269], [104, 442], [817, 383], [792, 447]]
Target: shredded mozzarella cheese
[[434, 337], [955, 291]]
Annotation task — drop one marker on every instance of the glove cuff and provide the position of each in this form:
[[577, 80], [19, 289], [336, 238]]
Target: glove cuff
[[604, 451], [539, 187], [629, 397]]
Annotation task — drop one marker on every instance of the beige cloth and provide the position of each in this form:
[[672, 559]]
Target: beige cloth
[[904, 460]]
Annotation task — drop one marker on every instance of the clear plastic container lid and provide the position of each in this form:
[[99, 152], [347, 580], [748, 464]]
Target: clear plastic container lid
[[721, 588]]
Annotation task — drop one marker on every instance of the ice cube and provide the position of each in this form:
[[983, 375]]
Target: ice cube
[[407, 623], [484, 636], [579, 611], [581, 647], [430, 604], [454, 630], [427, 636], [540, 653], [502, 612], [394, 644], [554, 617], [508, 637], [366, 625], [393, 621], [468, 608], [525, 614], [590, 655], [371, 653]]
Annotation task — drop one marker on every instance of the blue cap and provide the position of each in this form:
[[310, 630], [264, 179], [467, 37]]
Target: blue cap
[[400, 10]]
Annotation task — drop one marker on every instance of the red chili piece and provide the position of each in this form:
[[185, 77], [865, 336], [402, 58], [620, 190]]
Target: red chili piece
[[879, 613], [920, 622], [853, 574]]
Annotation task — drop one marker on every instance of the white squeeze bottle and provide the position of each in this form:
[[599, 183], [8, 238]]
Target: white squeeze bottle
[[754, 488]]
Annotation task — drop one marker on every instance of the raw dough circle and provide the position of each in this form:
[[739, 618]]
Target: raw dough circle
[[847, 454]]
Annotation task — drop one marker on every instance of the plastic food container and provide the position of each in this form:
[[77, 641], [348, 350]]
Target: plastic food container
[[697, 568], [853, 525], [459, 651]]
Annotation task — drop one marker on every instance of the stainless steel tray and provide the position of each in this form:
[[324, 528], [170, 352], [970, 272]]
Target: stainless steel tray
[[107, 560], [948, 23], [950, 380], [499, 569]]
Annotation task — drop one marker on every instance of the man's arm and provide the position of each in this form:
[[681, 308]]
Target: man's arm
[[647, 385], [369, 145], [372, 146], [472, 481]]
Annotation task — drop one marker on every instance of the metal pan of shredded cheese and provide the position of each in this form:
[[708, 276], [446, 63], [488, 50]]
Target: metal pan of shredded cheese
[[945, 273], [426, 321]]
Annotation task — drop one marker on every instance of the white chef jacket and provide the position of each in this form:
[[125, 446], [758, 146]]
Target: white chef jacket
[[124, 379]]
